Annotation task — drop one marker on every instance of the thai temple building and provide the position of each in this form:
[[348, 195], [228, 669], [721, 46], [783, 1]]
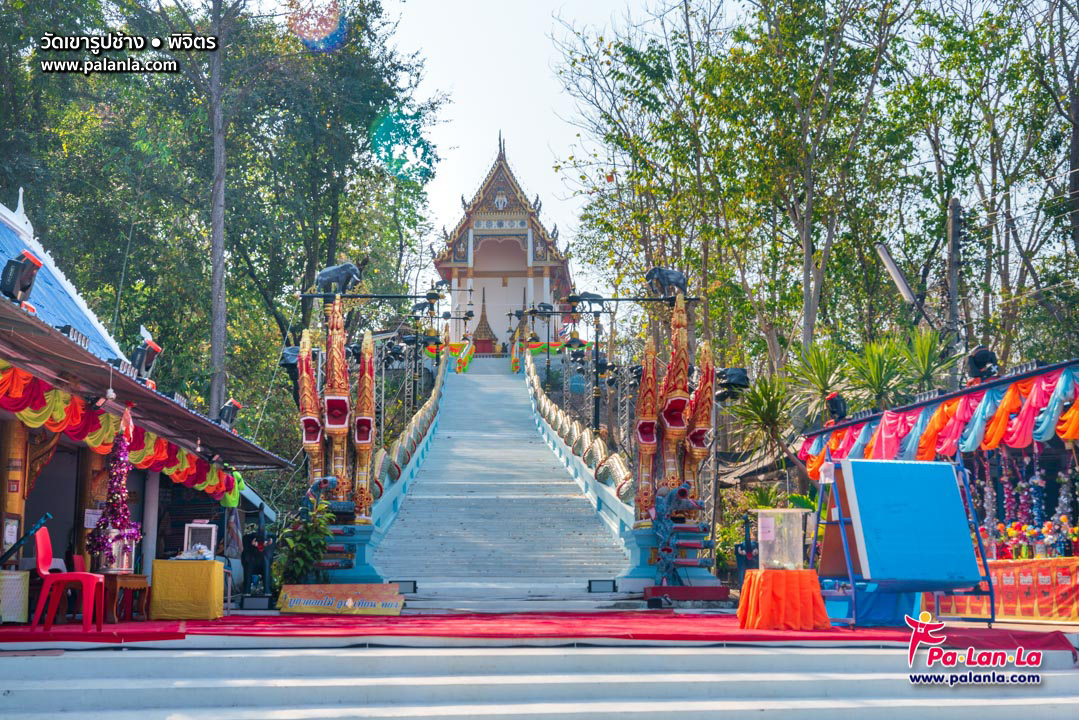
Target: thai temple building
[[502, 251]]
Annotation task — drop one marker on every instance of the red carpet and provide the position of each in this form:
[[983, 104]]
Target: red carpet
[[119, 633], [656, 625]]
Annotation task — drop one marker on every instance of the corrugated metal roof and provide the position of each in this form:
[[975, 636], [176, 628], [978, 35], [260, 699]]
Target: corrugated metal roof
[[55, 299]]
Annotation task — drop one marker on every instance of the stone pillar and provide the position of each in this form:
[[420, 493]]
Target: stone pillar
[[471, 241], [530, 286], [529, 249], [150, 494], [13, 451], [547, 285]]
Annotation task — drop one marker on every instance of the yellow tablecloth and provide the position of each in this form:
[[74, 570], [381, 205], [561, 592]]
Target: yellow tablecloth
[[187, 590]]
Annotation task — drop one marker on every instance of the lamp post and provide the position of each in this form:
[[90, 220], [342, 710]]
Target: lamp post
[[546, 315], [573, 344], [596, 307]]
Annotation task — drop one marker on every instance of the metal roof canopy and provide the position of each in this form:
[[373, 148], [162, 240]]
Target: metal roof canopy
[[35, 346]]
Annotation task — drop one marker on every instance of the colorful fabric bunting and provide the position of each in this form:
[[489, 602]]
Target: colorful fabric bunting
[[1046, 424], [36, 403], [1020, 431], [909, 449], [1014, 414], [974, 432]]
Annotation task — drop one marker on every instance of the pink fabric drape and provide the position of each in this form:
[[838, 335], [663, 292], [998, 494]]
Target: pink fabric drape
[[848, 441], [803, 452], [948, 439], [1021, 427], [893, 427]]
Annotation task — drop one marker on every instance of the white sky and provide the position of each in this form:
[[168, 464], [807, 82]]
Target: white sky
[[496, 61]]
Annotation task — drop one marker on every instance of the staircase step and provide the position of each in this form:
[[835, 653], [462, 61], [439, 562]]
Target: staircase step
[[492, 501], [699, 682]]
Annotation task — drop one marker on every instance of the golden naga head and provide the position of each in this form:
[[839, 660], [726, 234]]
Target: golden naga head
[[675, 395], [310, 415], [700, 405], [647, 400], [364, 416]]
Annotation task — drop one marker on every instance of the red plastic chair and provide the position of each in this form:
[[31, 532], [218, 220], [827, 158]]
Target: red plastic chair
[[54, 583]]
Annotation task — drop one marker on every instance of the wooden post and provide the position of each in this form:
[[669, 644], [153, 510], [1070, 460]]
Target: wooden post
[[13, 452], [93, 485]]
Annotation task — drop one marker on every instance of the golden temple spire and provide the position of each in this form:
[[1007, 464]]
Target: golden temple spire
[[483, 327]]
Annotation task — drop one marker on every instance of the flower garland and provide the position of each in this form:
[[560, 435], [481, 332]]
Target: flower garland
[[1037, 497], [117, 514], [989, 502], [1009, 493], [1064, 511]]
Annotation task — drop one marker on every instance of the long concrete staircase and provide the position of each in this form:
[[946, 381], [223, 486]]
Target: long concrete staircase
[[493, 520]]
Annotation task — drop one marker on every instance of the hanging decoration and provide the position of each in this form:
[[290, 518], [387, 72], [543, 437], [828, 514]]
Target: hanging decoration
[[1009, 493], [113, 538], [38, 404], [989, 503], [1012, 415]]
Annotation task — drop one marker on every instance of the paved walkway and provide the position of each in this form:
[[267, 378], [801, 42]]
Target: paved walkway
[[492, 513]]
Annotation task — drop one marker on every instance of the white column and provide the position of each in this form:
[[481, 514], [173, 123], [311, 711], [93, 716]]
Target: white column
[[470, 242], [149, 522], [529, 246], [530, 288], [547, 288]]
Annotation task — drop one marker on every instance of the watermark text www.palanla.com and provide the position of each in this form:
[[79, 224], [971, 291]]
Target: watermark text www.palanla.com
[[99, 47], [970, 666]]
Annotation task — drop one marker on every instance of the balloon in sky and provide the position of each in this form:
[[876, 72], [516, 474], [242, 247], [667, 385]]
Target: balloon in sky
[[319, 24]]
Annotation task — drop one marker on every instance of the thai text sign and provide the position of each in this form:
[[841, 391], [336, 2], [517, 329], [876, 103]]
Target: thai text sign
[[356, 599], [1042, 589]]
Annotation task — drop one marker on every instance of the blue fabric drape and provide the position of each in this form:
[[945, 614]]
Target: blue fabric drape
[[1045, 427], [974, 432]]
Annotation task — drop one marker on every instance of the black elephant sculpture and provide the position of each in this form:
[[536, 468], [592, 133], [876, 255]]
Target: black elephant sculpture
[[344, 276], [662, 281]]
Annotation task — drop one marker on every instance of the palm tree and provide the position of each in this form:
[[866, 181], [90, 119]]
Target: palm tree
[[817, 372], [876, 375], [928, 359], [764, 417]]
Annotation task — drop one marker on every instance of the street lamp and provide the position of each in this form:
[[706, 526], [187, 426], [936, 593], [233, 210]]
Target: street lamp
[[546, 311]]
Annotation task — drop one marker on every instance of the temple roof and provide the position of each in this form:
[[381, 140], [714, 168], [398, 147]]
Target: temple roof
[[501, 194]]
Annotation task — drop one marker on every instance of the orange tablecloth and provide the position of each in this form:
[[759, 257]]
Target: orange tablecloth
[[782, 600]]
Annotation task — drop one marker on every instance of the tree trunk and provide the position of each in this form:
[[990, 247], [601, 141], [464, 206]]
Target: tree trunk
[[218, 330], [1073, 167]]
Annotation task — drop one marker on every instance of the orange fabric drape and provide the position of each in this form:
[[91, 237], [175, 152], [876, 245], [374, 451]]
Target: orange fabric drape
[[868, 452], [1012, 403], [927, 443], [1068, 426], [782, 600], [814, 463]]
